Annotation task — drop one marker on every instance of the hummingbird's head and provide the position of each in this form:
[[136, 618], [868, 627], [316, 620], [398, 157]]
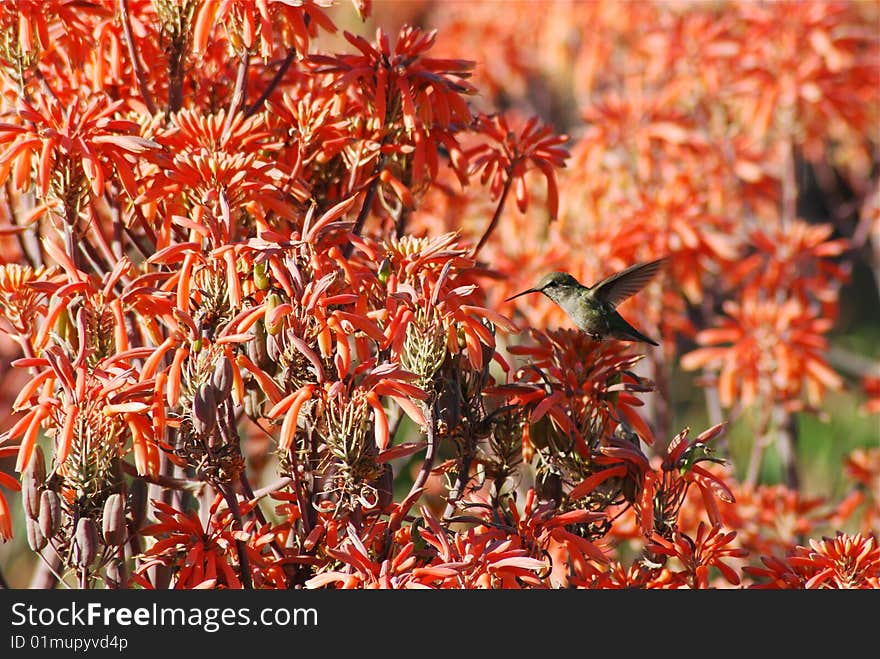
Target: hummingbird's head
[[551, 285]]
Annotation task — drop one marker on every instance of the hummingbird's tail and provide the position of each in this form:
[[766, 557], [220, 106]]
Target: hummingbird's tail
[[626, 332]]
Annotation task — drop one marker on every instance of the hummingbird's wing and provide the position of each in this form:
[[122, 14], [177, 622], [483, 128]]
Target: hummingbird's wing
[[625, 283]]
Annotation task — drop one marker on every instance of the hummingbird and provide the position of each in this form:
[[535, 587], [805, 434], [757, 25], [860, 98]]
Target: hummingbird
[[594, 308]]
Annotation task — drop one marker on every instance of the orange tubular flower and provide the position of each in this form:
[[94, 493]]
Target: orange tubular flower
[[771, 518], [243, 271], [415, 105], [199, 555], [842, 562], [795, 257], [504, 161], [774, 352], [70, 145], [396, 82], [216, 178], [592, 387], [247, 22], [697, 555]]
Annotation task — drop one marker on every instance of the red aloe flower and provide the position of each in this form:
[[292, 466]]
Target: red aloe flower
[[415, 105], [21, 304], [842, 562], [217, 177], [771, 518], [591, 385], [795, 257], [664, 491], [395, 82], [72, 148], [91, 409], [509, 156], [482, 557], [638, 575], [871, 386], [200, 555], [698, 555], [863, 466], [248, 23], [10, 483], [795, 63], [775, 351]]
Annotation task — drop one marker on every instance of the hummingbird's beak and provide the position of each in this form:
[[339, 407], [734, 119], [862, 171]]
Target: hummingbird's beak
[[530, 290]]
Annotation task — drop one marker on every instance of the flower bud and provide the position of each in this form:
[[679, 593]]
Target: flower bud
[[114, 573], [113, 520], [36, 539], [251, 404], [204, 410], [221, 378], [256, 349], [273, 348], [32, 481], [261, 275], [50, 513], [273, 300], [384, 270], [64, 327], [85, 542]]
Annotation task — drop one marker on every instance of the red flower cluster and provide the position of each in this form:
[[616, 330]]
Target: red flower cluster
[[252, 290]]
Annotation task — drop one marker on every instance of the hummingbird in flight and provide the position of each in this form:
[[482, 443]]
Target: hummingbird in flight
[[594, 308]]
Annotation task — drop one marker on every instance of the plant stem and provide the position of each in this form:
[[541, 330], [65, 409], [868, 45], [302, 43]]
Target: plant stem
[[135, 59], [762, 438], [275, 546], [236, 103], [661, 401], [418, 486], [272, 487], [430, 455], [273, 83], [786, 441], [161, 480], [365, 208], [713, 402], [461, 481], [244, 564], [497, 216]]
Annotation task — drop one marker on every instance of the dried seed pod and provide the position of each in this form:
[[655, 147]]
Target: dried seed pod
[[36, 539], [221, 378], [85, 542], [50, 513], [32, 482], [113, 520], [204, 410], [137, 503]]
